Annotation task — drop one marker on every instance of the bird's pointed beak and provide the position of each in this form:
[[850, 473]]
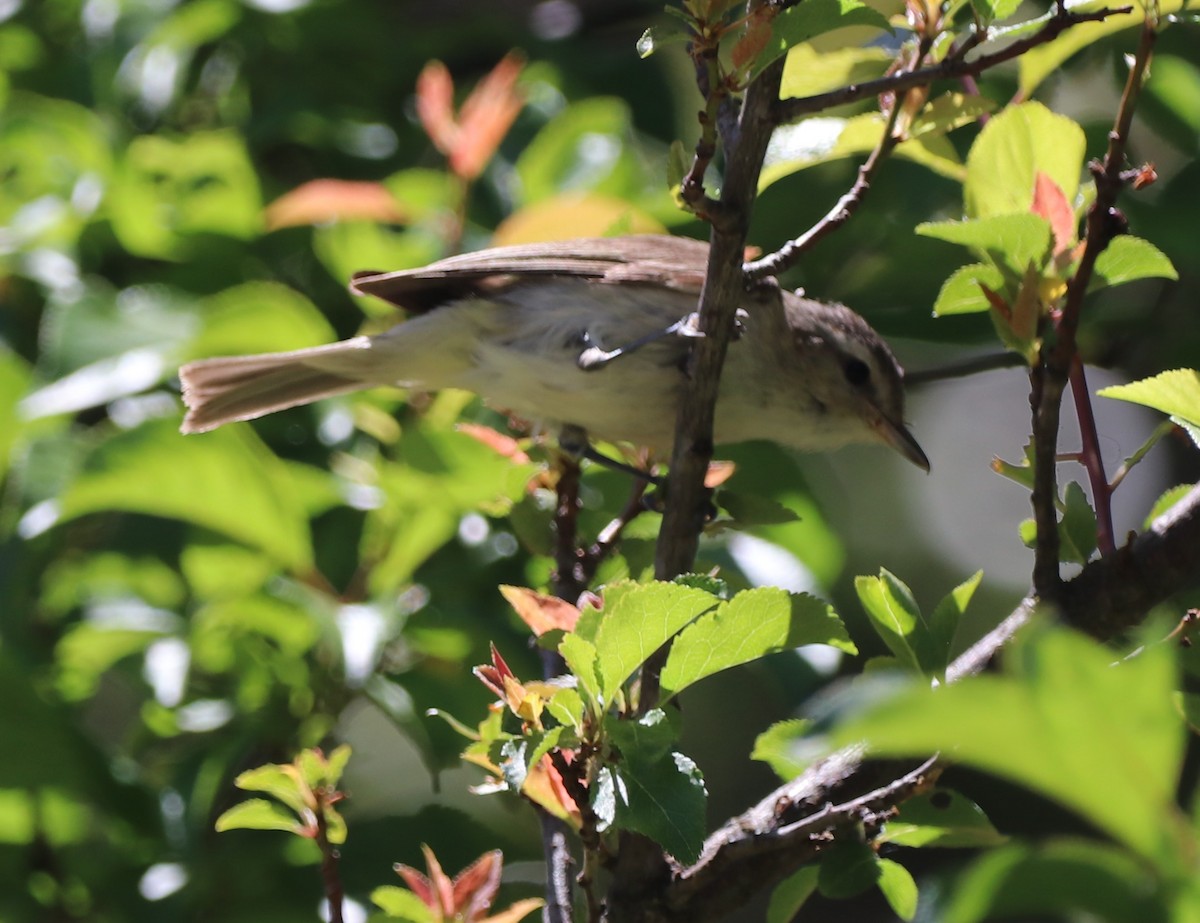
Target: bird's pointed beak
[[900, 439]]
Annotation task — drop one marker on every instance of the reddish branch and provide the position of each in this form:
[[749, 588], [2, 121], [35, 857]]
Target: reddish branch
[[1057, 359]]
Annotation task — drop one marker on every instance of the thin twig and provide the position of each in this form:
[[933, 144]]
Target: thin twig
[[1091, 458], [788, 255], [331, 879], [1057, 359], [789, 110]]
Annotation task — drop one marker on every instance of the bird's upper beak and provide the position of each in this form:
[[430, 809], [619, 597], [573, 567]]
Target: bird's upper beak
[[900, 439]]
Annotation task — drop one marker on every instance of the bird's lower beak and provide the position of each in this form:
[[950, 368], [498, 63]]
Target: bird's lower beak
[[900, 439]]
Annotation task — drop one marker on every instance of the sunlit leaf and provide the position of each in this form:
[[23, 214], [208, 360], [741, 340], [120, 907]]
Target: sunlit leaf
[[803, 21], [1128, 258], [751, 625], [170, 192], [1175, 392], [258, 814], [638, 620], [898, 888], [225, 480], [1011, 149]]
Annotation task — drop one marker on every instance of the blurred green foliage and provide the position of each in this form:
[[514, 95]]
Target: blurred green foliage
[[175, 611]]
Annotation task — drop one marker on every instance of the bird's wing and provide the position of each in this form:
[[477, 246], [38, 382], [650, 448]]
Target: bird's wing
[[653, 259]]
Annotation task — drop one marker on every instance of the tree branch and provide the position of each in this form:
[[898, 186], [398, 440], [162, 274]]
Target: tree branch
[[1109, 596], [788, 255], [955, 66]]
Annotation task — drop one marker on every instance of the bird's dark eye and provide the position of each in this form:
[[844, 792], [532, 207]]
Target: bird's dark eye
[[857, 372]]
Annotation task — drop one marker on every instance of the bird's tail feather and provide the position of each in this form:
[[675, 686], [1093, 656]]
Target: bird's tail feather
[[219, 391]]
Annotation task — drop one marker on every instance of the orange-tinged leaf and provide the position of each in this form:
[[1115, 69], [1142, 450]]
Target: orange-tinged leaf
[[1050, 202], [544, 786], [486, 117], [418, 884], [435, 106], [541, 612], [524, 702], [475, 886], [443, 887], [498, 442], [996, 300], [1027, 309], [754, 39], [718, 473], [323, 200], [569, 215]]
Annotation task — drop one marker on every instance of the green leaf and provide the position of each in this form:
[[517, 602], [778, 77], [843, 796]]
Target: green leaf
[[753, 624], [848, 869], [994, 10], [664, 800], [809, 71], [1176, 392], [566, 705], [280, 781], [941, 818], [961, 294], [646, 739], [781, 747], [54, 154], [257, 317], [894, 614], [947, 616], [638, 620], [400, 903], [1062, 879], [590, 146], [346, 247], [804, 21], [791, 894], [1039, 63], [1101, 738], [1011, 149], [14, 380], [580, 657], [259, 814], [1009, 242], [898, 888], [1165, 501], [948, 112], [1128, 258], [1077, 529], [754, 509], [443, 474], [169, 192], [225, 480]]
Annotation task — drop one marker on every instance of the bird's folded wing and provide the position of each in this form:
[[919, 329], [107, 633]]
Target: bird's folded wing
[[673, 262]]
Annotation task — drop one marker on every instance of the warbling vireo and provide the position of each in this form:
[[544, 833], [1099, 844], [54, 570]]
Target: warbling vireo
[[589, 335]]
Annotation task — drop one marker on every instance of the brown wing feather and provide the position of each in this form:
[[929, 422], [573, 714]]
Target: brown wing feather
[[675, 262]]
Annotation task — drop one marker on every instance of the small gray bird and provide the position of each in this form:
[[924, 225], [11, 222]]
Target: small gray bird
[[588, 335]]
